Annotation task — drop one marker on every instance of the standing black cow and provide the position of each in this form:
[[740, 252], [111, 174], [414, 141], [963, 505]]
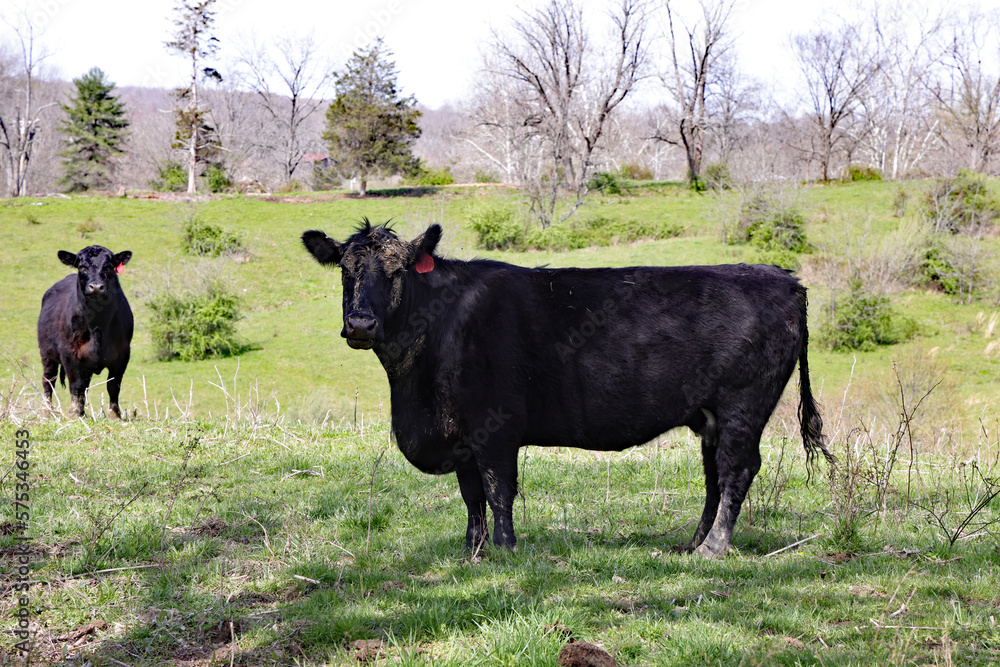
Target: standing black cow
[[484, 358], [85, 326]]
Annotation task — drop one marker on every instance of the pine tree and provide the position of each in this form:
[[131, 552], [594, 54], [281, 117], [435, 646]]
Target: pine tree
[[370, 129], [95, 127]]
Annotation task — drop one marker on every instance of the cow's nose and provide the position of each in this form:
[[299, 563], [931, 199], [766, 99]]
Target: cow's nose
[[361, 327], [95, 288]]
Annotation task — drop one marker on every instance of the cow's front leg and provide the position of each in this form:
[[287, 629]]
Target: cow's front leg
[[78, 383], [470, 482], [114, 388], [499, 473]]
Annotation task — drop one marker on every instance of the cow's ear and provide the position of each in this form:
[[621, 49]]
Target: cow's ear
[[68, 258], [123, 257], [427, 242], [322, 247]]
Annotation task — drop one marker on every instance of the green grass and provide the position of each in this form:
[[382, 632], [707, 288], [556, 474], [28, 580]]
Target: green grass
[[296, 537]]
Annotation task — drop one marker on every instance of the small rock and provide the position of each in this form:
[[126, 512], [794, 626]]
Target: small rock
[[366, 650], [582, 654]]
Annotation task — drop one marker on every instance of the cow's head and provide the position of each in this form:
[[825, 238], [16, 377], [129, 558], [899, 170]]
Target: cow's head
[[374, 263], [97, 269]]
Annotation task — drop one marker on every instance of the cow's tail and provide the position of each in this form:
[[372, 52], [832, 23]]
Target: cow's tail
[[62, 375], [809, 418]]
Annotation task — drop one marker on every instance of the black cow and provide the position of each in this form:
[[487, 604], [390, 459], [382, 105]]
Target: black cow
[[484, 358], [85, 326]]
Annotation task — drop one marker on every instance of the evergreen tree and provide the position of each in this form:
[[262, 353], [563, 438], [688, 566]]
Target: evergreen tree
[[370, 129], [95, 127]]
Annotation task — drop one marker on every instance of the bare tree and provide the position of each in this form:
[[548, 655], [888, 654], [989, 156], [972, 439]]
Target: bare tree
[[291, 84], [21, 110], [696, 53], [193, 39], [557, 91], [968, 93], [899, 129], [836, 70]]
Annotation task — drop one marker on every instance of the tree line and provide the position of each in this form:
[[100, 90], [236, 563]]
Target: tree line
[[564, 101]]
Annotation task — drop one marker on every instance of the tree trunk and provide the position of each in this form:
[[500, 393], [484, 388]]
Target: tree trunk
[[193, 145], [363, 189]]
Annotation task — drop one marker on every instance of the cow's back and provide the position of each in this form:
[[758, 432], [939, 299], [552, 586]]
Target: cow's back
[[611, 358]]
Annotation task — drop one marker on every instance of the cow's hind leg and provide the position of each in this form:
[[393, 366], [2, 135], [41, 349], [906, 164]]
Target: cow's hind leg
[[709, 444], [470, 482], [737, 460]]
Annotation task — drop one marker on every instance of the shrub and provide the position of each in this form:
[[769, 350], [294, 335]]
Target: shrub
[[483, 176], [496, 226], [717, 176], [959, 265], [899, 202], [209, 240], [88, 227], [195, 323], [556, 237], [863, 321], [605, 182], [775, 228], [962, 204], [635, 172], [429, 176], [171, 177], [856, 172], [217, 179]]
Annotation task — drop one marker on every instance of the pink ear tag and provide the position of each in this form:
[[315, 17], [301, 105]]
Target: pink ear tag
[[120, 268], [425, 263]]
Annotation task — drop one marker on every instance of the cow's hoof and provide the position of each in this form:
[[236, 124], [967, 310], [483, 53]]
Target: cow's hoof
[[706, 551]]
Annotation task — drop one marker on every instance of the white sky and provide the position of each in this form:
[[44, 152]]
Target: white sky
[[435, 43]]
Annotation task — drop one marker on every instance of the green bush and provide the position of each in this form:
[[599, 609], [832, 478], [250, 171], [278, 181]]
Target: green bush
[[496, 226], [605, 182], [599, 231], [962, 204], [856, 172], [428, 176], [217, 179], [557, 237], [194, 324], [961, 266], [209, 240], [171, 177], [769, 225], [717, 176], [635, 172], [863, 321], [483, 176]]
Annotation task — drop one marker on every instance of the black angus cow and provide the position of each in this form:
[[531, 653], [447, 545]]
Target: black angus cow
[[85, 326], [484, 358]]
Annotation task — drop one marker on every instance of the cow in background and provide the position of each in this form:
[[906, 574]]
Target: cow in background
[[85, 326]]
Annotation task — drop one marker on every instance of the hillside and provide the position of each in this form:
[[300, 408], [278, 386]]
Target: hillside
[[292, 309]]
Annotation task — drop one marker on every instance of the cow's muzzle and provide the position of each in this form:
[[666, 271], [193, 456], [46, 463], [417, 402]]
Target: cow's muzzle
[[360, 332], [96, 289]]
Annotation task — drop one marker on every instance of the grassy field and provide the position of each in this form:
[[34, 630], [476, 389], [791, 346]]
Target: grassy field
[[245, 541], [246, 515]]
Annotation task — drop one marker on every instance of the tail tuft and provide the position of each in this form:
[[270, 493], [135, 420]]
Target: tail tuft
[[809, 419]]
